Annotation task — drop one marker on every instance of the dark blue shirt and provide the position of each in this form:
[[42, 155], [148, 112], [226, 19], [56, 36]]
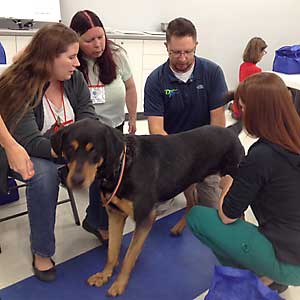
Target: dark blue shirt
[[184, 106]]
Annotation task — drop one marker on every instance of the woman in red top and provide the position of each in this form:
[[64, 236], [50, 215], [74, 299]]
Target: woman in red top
[[253, 53]]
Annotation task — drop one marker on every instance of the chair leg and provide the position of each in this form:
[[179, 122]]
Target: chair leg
[[74, 207]]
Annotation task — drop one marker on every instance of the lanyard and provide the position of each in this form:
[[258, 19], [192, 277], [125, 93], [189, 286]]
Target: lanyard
[[96, 85], [57, 120]]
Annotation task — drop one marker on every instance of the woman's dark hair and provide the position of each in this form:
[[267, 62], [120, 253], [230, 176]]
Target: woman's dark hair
[[81, 22], [181, 27], [269, 111], [254, 49]]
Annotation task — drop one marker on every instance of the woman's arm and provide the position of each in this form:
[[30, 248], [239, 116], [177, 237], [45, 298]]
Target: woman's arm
[[225, 185], [18, 158], [217, 117], [254, 172], [131, 103]]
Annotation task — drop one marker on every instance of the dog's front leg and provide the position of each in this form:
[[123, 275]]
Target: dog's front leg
[[139, 236], [191, 199], [116, 221]]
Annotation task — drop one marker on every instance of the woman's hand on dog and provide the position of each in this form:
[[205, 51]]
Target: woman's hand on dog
[[225, 183], [53, 154]]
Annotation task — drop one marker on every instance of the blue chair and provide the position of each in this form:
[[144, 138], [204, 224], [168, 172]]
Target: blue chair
[[2, 55]]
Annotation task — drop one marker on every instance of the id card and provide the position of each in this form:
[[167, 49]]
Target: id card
[[97, 94]]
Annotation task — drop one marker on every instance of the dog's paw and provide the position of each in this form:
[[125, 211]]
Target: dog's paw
[[177, 229], [99, 278], [117, 288]]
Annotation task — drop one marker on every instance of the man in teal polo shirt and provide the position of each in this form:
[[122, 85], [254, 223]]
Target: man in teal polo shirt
[[184, 93]]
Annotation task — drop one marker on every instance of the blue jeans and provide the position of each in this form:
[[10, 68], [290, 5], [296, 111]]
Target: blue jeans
[[96, 214], [41, 195]]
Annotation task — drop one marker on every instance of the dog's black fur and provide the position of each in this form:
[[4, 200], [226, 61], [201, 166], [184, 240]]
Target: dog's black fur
[[157, 167]]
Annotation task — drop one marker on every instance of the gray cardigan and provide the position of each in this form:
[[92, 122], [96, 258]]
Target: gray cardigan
[[28, 134]]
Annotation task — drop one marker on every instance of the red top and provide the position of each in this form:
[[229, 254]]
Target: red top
[[246, 69]]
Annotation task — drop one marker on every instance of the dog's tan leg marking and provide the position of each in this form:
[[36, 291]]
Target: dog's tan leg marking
[[124, 205], [191, 199], [139, 236], [116, 221]]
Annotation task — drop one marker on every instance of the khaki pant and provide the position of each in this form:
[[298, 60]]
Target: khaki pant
[[208, 191]]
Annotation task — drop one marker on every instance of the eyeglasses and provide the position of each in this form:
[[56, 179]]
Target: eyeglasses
[[264, 51], [177, 53]]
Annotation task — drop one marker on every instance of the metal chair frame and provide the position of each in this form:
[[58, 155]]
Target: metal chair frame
[[71, 199]]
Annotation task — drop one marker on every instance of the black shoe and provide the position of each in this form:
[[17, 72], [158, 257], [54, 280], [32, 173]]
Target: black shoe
[[280, 288], [90, 229], [47, 275]]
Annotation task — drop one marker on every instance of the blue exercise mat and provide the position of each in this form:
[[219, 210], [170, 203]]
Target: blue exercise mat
[[177, 268]]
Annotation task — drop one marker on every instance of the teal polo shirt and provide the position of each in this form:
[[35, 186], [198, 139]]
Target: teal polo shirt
[[184, 105]]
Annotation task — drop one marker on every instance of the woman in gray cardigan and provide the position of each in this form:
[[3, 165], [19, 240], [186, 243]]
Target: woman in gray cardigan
[[39, 93]]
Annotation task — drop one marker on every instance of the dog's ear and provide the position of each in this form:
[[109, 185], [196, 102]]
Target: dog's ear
[[57, 141], [114, 144]]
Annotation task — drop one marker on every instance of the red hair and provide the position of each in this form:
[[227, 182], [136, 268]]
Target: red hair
[[269, 110]]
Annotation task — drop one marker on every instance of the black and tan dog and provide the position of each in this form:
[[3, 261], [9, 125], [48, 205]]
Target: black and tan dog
[[136, 173]]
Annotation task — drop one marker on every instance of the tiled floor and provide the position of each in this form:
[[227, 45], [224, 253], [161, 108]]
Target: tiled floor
[[71, 240]]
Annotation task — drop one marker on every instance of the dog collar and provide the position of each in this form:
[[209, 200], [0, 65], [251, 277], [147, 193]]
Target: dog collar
[[119, 180]]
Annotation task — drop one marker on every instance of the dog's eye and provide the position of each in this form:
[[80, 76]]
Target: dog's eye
[[69, 151], [94, 157]]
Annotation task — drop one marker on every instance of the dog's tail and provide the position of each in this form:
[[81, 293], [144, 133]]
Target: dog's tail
[[237, 127]]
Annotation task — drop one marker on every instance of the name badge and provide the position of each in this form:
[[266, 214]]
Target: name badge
[[97, 94]]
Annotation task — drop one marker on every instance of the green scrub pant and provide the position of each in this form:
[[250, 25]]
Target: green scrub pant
[[240, 245]]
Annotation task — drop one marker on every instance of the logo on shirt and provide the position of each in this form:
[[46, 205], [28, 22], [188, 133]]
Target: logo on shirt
[[200, 87], [170, 92]]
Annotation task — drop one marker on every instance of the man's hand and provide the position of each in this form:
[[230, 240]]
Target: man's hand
[[132, 125]]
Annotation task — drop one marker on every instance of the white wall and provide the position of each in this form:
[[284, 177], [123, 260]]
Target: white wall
[[118, 14], [224, 26]]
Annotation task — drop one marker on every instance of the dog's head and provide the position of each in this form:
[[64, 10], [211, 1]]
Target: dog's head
[[87, 145]]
